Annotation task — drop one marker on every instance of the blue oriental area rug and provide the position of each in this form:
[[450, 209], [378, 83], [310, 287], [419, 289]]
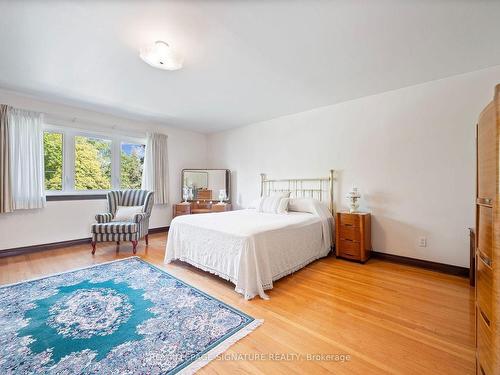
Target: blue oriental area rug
[[121, 317]]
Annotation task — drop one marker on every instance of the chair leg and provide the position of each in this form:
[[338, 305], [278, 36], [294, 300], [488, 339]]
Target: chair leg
[[118, 243], [134, 246], [147, 239], [93, 247]]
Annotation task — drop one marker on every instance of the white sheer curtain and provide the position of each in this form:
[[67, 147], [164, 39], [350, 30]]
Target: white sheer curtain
[[155, 174], [26, 157]]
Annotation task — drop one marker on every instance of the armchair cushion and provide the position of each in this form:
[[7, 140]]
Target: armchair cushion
[[115, 227], [104, 218], [127, 213]]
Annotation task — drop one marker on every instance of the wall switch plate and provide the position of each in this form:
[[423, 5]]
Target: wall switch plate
[[422, 241]]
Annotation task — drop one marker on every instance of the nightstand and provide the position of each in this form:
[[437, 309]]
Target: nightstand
[[353, 235]]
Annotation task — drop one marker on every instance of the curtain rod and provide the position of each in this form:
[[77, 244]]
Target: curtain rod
[[82, 124], [52, 118]]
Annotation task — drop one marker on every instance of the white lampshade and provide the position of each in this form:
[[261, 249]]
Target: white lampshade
[[162, 56]]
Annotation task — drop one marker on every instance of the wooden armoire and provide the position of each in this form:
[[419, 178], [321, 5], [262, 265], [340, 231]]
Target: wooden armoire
[[488, 239]]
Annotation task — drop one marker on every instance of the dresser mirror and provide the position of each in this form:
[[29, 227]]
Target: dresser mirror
[[206, 185]]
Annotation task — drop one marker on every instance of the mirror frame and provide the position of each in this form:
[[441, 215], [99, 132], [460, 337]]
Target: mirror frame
[[228, 183]]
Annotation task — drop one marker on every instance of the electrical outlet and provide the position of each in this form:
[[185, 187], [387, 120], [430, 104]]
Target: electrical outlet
[[422, 241]]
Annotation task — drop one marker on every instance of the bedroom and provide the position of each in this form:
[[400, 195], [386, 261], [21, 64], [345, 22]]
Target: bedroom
[[176, 180]]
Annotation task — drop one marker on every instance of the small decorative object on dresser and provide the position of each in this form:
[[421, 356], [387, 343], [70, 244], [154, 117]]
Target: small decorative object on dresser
[[353, 235], [222, 196], [353, 197]]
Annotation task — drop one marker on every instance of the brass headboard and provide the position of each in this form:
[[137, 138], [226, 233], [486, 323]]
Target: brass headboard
[[320, 188]]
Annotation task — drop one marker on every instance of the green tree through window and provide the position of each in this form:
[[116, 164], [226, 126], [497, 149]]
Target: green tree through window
[[92, 163], [131, 165], [93, 159], [53, 160]]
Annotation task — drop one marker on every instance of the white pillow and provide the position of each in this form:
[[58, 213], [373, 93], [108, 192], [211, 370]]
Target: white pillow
[[270, 204], [275, 204], [303, 205], [126, 213], [257, 201], [283, 206], [284, 194]]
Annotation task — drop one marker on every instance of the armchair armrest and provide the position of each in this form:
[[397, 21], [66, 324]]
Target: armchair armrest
[[140, 217], [104, 218]]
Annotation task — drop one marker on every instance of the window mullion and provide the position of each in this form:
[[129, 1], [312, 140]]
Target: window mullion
[[69, 163], [115, 163]]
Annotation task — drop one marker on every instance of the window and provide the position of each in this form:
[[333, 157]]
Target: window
[[92, 163], [53, 159], [131, 165], [80, 162]]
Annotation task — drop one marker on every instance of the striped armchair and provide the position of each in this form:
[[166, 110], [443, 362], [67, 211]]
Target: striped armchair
[[107, 230]]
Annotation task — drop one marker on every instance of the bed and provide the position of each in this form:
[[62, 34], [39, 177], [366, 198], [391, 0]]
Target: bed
[[252, 249]]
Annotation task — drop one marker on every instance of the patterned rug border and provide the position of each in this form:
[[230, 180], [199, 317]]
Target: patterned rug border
[[207, 355]]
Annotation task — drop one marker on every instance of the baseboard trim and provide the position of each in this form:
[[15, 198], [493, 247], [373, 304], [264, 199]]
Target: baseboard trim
[[74, 197], [159, 229], [46, 246], [427, 264], [55, 245]]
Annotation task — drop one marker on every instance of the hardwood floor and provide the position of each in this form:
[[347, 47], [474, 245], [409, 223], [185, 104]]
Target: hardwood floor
[[389, 318]]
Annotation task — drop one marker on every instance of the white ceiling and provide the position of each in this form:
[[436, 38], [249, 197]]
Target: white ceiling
[[245, 61]]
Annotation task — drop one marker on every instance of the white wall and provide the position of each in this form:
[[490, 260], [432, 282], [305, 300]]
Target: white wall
[[68, 220], [411, 151]]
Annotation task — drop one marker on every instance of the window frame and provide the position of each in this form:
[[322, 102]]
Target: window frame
[[68, 168]]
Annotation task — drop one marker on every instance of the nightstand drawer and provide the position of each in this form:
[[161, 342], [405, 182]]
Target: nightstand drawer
[[348, 232], [484, 291], [349, 248], [485, 231], [349, 220], [484, 344]]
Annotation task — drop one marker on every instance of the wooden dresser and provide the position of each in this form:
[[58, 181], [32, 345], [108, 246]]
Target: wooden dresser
[[353, 235], [191, 208], [488, 240]]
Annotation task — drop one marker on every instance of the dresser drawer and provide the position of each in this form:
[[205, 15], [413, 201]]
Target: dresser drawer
[[484, 232], [348, 232], [349, 220], [484, 345], [182, 209], [220, 207]]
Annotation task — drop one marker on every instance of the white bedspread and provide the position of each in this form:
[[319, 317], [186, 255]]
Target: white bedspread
[[249, 248]]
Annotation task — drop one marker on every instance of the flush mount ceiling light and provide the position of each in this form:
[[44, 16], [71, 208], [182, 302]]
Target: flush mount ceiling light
[[162, 56]]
